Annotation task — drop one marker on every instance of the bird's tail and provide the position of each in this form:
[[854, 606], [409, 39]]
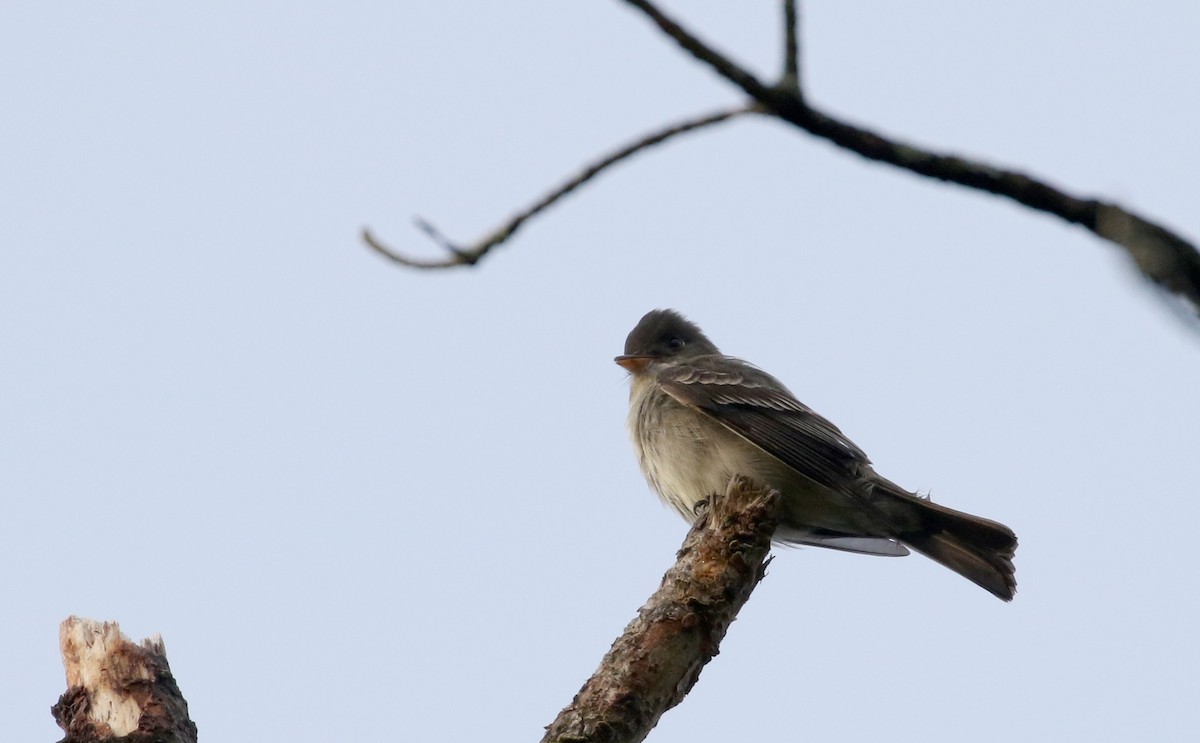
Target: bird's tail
[[978, 549]]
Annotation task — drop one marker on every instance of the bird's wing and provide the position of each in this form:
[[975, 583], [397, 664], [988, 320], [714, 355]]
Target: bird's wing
[[757, 407]]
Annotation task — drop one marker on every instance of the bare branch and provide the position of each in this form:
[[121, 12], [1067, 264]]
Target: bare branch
[[790, 78], [654, 664], [1163, 257], [724, 66], [469, 255]]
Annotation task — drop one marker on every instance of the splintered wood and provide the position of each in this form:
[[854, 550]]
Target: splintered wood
[[117, 688]]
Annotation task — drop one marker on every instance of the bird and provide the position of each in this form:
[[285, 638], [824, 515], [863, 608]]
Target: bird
[[698, 418]]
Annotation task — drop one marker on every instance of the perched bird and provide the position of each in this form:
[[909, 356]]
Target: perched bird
[[698, 417]]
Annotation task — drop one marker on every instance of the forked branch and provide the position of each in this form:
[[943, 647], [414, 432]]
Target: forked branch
[[1162, 256], [1165, 258], [469, 255]]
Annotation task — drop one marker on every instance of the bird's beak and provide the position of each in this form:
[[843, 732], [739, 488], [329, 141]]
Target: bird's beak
[[633, 362]]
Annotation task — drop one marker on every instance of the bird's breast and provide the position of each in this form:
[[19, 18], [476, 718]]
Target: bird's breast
[[685, 455]]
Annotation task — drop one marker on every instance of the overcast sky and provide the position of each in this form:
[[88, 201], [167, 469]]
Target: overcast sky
[[367, 503]]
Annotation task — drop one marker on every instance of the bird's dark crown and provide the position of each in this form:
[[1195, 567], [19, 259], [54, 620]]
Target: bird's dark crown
[[663, 333]]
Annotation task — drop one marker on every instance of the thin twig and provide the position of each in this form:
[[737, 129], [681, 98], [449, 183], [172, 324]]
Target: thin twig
[[791, 47], [469, 255], [1165, 258]]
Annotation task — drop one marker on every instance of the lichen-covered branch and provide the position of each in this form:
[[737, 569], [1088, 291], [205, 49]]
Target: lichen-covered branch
[[653, 665], [469, 254]]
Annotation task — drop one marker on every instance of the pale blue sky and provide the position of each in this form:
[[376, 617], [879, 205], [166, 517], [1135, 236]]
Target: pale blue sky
[[363, 502]]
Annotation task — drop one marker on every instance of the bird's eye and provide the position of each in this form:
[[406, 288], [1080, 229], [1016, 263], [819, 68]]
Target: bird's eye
[[676, 343]]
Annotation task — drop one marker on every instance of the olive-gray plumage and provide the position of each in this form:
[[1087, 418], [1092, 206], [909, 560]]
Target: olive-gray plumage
[[698, 417]]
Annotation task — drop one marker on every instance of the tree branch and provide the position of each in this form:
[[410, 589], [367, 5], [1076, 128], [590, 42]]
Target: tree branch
[[724, 66], [469, 255], [790, 77], [1169, 261], [1163, 257], [654, 664]]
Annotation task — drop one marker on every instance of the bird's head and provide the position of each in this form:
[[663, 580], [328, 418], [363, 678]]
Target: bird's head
[[663, 335]]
